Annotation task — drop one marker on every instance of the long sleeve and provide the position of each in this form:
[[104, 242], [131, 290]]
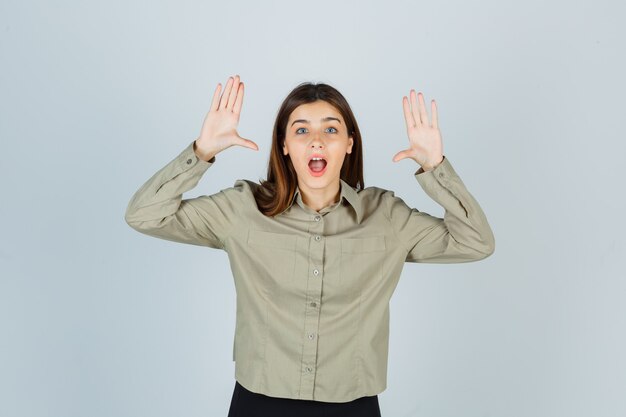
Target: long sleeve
[[157, 208], [463, 235]]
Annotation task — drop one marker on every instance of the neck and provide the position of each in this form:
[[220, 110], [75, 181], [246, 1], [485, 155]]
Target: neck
[[319, 198]]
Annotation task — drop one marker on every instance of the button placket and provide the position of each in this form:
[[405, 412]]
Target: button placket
[[313, 295]]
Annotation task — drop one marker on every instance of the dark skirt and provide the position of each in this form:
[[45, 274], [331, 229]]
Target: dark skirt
[[245, 403]]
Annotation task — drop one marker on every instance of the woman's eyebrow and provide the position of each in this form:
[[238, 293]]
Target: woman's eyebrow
[[324, 119]]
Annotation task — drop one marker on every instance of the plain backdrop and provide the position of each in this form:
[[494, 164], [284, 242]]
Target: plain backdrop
[[99, 320]]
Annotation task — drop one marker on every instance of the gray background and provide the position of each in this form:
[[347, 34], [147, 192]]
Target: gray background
[[99, 320]]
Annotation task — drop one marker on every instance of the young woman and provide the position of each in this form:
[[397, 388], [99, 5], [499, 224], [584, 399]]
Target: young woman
[[315, 256]]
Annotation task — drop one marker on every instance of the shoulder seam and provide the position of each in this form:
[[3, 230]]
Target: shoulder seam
[[234, 221], [388, 217]]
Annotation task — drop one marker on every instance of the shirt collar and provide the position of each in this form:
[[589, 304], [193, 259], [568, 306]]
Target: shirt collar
[[348, 193]]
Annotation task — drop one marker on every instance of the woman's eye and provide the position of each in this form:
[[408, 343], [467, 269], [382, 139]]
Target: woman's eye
[[298, 130]]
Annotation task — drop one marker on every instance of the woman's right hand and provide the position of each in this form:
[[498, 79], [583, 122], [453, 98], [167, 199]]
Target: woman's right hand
[[219, 130]]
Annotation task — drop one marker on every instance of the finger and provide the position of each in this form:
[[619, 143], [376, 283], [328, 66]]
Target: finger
[[400, 155], [414, 111], [216, 97], [248, 144], [422, 109], [233, 93], [239, 100], [224, 99], [433, 108], [408, 117]]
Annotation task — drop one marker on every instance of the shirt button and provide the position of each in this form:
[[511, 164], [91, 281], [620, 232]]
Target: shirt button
[[311, 335], [317, 218], [308, 368], [317, 238], [441, 175], [189, 161], [313, 304], [316, 272]]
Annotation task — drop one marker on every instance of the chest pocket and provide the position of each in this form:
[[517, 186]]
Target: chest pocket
[[274, 254], [362, 261]]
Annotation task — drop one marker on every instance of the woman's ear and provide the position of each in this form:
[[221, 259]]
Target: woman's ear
[[350, 144]]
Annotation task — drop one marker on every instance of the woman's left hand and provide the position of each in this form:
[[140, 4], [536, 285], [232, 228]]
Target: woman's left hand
[[425, 145]]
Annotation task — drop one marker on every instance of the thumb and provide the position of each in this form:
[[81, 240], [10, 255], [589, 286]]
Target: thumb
[[400, 155], [248, 143]]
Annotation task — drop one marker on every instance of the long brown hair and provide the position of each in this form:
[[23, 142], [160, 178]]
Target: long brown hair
[[277, 191]]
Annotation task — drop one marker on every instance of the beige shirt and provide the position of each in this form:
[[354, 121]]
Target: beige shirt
[[313, 288]]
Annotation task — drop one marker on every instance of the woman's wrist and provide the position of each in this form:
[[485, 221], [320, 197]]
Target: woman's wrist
[[426, 168], [204, 156]]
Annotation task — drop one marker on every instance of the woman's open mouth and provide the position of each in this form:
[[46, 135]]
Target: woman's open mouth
[[317, 167]]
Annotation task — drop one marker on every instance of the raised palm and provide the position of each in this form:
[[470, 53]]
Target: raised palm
[[425, 144], [219, 130]]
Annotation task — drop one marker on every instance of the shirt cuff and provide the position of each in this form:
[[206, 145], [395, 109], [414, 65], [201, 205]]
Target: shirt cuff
[[188, 159], [441, 175]]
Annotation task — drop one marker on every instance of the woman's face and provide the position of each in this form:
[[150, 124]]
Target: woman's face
[[317, 128]]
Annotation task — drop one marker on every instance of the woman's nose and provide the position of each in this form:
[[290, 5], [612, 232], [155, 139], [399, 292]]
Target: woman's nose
[[317, 140]]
